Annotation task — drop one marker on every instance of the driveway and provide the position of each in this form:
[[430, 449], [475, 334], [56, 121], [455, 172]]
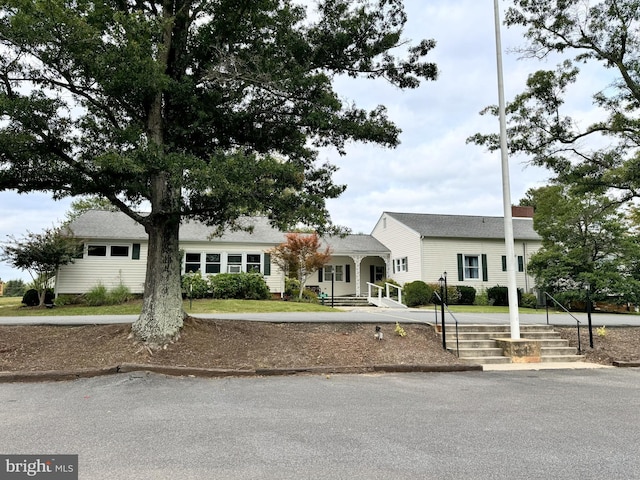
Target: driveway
[[369, 314], [580, 424]]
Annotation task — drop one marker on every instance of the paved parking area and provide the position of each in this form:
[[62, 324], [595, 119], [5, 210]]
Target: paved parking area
[[569, 424]]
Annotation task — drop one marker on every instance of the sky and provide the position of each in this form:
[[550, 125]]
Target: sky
[[433, 170]]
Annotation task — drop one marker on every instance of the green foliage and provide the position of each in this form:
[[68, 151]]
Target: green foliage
[[14, 288], [601, 331], [119, 295], [585, 240], [64, 300], [400, 331], [31, 298], [482, 299], [185, 106], [467, 295], [100, 295], [194, 285], [417, 293], [97, 296], [308, 296], [529, 300], [291, 287], [248, 286], [499, 296]]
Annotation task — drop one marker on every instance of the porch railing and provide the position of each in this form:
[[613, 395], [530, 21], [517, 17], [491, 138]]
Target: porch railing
[[387, 291]]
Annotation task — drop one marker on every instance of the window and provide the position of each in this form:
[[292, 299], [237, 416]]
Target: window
[[234, 263], [471, 267], [520, 263], [97, 250], [253, 262], [212, 263], [328, 272], [119, 251], [400, 264], [336, 270], [192, 262]]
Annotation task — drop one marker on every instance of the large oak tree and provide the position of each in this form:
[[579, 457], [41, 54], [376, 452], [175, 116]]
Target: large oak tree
[[196, 109]]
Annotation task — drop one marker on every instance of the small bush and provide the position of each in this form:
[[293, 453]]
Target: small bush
[[195, 286], [529, 300], [97, 296], [243, 286], [467, 295], [500, 296], [308, 296], [119, 295], [63, 300], [393, 292], [417, 293], [31, 298], [482, 299]]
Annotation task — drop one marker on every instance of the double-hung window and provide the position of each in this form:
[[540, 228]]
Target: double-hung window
[[400, 264], [192, 262], [471, 267], [212, 264], [234, 263], [253, 262]]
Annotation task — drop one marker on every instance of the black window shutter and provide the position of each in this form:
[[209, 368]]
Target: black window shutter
[[372, 274], [504, 263], [520, 263], [460, 268], [347, 273], [135, 252], [320, 275], [485, 274], [267, 264]]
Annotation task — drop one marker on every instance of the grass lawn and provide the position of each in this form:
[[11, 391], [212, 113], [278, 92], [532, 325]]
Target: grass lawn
[[11, 307]]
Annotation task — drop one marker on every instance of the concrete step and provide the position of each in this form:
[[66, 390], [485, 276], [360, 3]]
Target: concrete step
[[485, 360], [562, 358], [475, 352], [472, 343], [556, 351]]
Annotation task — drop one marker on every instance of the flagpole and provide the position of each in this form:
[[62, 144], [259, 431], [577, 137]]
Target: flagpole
[[506, 189]]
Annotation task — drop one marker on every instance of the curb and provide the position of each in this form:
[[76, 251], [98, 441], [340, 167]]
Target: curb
[[626, 364], [66, 375]]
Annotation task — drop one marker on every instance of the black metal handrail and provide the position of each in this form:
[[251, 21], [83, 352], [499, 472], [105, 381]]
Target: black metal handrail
[[454, 319], [567, 311]]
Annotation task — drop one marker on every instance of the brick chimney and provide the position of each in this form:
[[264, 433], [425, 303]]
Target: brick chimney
[[521, 212]]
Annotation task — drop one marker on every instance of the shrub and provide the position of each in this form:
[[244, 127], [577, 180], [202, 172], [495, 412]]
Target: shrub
[[500, 296], [31, 298], [482, 299], [467, 295], [417, 293], [308, 296], [195, 286], [97, 296], [393, 292], [63, 300], [118, 295], [243, 286], [529, 300]]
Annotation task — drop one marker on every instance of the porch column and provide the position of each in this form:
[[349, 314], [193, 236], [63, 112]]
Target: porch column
[[357, 259], [388, 265]]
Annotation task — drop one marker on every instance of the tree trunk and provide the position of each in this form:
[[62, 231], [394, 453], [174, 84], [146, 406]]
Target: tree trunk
[[162, 313]]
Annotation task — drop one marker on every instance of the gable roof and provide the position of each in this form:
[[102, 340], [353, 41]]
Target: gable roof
[[103, 225], [464, 226]]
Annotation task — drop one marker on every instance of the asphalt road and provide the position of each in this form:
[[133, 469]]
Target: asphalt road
[[581, 424], [371, 315]]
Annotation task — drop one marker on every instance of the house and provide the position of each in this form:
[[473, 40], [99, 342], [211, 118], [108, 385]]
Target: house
[[115, 252], [469, 249], [402, 246]]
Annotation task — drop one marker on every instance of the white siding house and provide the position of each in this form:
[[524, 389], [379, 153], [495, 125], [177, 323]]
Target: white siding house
[[115, 252], [470, 249]]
